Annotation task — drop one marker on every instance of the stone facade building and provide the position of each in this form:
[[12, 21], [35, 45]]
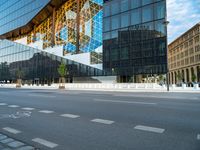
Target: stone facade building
[[184, 57]]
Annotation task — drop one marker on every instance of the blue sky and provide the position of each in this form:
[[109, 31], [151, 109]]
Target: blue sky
[[182, 14]]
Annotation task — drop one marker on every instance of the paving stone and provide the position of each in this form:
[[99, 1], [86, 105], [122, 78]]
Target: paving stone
[[3, 137], [8, 140], [26, 148], [15, 144]]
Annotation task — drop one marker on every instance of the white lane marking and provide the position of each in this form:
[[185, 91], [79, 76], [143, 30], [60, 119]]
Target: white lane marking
[[13, 106], [45, 142], [150, 129], [198, 136], [46, 111], [11, 130], [38, 95], [69, 116], [128, 102], [103, 121], [3, 104], [162, 97], [27, 108]]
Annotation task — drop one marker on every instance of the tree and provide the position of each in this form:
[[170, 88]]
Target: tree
[[179, 77], [161, 78], [62, 70], [194, 77]]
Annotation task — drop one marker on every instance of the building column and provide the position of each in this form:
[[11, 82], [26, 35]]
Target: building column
[[190, 74], [170, 77], [185, 75], [174, 76], [195, 73]]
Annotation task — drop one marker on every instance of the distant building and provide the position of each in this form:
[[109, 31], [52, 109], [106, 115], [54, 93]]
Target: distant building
[[184, 57]]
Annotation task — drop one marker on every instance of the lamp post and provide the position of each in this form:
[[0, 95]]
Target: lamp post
[[165, 23]]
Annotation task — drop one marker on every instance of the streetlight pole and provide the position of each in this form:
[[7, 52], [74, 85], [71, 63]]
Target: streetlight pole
[[165, 23]]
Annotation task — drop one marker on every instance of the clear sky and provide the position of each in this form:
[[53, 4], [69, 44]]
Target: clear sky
[[182, 14]]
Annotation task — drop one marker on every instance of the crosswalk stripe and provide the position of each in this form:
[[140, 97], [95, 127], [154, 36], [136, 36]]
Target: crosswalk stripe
[[11, 130], [46, 111], [45, 142], [69, 116], [102, 121], [150, 129]]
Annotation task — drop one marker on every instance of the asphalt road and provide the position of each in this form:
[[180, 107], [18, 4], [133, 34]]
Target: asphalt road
[[80, 120]]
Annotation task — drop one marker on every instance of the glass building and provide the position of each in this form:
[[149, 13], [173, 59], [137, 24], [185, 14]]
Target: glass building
[[134, 38], [127, 37], [75, 26], [17, 13], [37, 66]]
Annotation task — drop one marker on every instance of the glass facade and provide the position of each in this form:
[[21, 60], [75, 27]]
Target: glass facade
[[90, 18], [37, 65], [17, 13], [134, 37]]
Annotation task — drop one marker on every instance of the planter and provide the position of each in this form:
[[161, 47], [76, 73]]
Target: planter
[[61, 87], [19, 83], [184, 86], [61, 83], [196, 86]]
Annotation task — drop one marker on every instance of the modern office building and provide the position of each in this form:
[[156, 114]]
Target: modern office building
[[120, 38], [37, 35], [134, 38], [184, 57]]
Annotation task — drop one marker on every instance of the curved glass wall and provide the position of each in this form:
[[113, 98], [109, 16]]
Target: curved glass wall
[[36, 64], [17, 13]]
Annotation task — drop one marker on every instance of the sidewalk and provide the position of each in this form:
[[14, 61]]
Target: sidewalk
[[7, 143], [110, 87]]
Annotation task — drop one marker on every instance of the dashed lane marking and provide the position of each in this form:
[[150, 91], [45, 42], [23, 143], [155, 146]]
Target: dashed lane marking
[[3, 104], [38, 95], [45, 142], [198, 136], [149, 129], [126, 102], [28, 108], [11, 130], [46, 111], [13, 106], [69, 116], [103, 121]]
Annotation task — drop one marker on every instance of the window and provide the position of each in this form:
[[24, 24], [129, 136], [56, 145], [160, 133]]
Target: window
[[124, 53], [106, 36], [125, 20], [115, 7], [124, 5], [114, 34], [136, 17], [160, 28], [106, 10], [160, 10], [106, 25], [147, 14], [145, 2], [135, 3], [114, 54], [115, 22]]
